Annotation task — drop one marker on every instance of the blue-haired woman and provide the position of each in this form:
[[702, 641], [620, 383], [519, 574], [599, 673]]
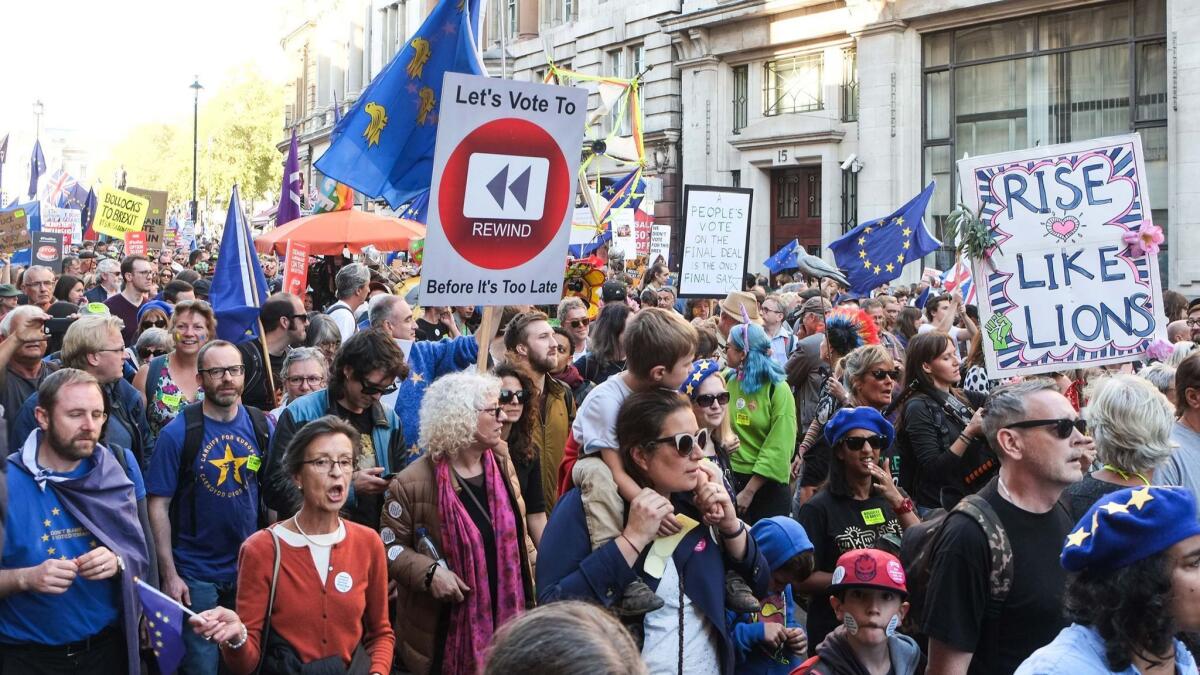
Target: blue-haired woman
[[763, 414]]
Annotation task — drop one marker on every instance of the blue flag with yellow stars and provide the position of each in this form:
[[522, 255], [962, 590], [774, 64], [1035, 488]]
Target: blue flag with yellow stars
[[873, 253], [165, 626], [383, 146], [784, 258]]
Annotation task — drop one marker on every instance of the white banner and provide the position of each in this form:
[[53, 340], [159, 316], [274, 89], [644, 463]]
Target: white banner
[[716, 237]]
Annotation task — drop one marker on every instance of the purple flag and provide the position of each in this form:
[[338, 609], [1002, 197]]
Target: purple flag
[[289, 199]]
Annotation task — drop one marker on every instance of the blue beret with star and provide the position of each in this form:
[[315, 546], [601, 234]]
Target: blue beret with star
[[1129, 525], [699, 372], [862, 417]]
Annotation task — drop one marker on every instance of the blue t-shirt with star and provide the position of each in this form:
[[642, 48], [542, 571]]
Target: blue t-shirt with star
[[39, 528], [222, 509]]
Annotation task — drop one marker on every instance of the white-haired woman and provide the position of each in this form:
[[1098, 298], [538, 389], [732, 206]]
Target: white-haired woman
[[1162, 377], [304, 371], [1130, 422], [454, 528]]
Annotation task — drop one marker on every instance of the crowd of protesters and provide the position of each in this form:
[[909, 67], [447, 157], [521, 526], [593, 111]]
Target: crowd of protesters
[[789, 479]]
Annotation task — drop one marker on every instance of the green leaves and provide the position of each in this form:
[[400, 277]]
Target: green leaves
[[967, 234]]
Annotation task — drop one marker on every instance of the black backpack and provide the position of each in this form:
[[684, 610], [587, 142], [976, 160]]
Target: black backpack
[[193, 417], [920, 545]]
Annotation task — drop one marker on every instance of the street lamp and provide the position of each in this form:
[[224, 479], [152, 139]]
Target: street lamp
[[196, 87], [38, 108]]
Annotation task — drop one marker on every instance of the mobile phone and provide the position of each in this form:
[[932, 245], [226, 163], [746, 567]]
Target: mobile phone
[[57, 326], [388, 476]]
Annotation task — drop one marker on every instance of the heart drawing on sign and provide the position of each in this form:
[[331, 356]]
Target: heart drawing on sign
[[1063, 228]]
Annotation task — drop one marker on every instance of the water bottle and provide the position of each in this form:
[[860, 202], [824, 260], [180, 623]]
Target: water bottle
[[425, 546]]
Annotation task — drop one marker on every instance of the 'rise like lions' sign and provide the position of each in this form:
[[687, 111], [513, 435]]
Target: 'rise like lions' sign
[[1064, 288]]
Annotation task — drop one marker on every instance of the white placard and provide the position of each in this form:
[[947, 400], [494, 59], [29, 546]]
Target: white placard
[[660, 244], [716, 236], [502, 202]]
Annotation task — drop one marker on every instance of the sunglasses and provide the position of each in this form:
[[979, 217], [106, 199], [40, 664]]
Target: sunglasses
[[706, 400], [161, 323], [1062, 426], [880, 374], [579, 323], [684, 443], [856, 443], [370, 389], [509, 395]]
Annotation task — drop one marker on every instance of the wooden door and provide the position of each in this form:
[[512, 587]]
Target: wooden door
[[796, 207]]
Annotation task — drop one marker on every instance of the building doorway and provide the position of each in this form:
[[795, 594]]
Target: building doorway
[[796, 207]]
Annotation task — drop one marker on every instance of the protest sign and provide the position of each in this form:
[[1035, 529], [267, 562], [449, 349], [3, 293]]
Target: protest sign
[[156, 216], [185, 236], [135, 243], [118, 212], [660, 244], [295, 274], [1065, 287], [69, 222], [501, 203], [624, 244], [642, 222], [47, 250], [14, 230], [716, 237]]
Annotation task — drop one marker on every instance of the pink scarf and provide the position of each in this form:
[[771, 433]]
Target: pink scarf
[[471, 621]]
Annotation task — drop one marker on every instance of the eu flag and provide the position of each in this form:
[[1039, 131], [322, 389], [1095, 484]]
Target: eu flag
[[873, 253], [165, 626], [383, 146], [37, 166], [418, 208], [238, 285], [784, 258]]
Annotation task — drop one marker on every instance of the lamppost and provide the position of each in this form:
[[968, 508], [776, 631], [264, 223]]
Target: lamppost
[[196, 87], [38, 108]]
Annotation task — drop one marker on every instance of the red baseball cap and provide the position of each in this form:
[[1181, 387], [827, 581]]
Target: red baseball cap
[[869, 568]]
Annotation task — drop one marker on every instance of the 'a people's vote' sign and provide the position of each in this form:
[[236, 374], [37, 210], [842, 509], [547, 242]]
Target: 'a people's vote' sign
[[1063, 289], [502, 199], [716, 236]]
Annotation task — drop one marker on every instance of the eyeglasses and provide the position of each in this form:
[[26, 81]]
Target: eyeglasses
[[42, 284], [111, 349], [684, 443], [370, 388], [579, 323], [856, 443], [325, 465], [312, 380], [144, 273], [1062, 426], [161, 323], [706, 400], [894, 374], [496, 412], [509, 395], [220, 371], [1192, 323]]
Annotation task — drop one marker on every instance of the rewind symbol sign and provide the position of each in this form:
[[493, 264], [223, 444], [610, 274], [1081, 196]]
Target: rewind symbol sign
[[505, 187]]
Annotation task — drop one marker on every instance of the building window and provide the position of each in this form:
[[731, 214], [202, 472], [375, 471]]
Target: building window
[[849, 200], [741, 97], [850, 85], [625, 62], [555, 12], [1045, 79], [735, 178], [794, 84], [512, 6]]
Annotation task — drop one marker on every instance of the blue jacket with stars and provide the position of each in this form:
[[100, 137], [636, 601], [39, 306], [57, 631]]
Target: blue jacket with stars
[[427, 361]]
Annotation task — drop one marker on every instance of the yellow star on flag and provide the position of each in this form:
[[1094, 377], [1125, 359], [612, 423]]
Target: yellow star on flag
[[51, 550], [900, 220], [1113, 507], [1139, 498], [45, 537], [1077, 537], [868, 230], [906, 231], [862, 241], [862, 253], [46, 523], [900, 258], [905, 245], [867, 264], [889, 267], [696, 376], [879, 222], [417, 377], [224, 463], [54, 511], [877, 269]]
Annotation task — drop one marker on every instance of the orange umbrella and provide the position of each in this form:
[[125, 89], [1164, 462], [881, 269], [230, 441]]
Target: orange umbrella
[[329, 233]]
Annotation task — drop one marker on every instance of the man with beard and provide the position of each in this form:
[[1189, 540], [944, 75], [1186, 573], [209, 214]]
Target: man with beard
[[21, 365], [530, 344], [67, 599], [204, 493], [285, 325]]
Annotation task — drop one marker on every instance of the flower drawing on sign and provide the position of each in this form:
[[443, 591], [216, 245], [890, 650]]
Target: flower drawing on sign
[[1144, 240]]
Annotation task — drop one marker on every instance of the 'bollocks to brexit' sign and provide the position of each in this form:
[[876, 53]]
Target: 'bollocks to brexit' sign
[[502, 198], [1068, 284], [118, 212]]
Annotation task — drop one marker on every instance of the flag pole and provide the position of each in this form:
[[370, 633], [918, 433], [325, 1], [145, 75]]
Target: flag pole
[[262, 339], [487, 330]]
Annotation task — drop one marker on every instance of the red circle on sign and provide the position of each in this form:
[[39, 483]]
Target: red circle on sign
[[47, 252], [507, 136]]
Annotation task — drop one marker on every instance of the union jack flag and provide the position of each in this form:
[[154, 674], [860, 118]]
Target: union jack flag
[[959, 276], [56, 189]]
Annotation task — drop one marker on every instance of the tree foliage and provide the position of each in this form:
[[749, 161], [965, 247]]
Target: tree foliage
[[239, 125]]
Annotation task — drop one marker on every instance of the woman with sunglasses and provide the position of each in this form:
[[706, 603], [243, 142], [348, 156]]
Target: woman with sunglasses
[[943, 454], [169, 382], [516, 434], [871, 376], [710, 404], [153, 314], [764, 420], [662, 449], [857, 506], [455, 534]]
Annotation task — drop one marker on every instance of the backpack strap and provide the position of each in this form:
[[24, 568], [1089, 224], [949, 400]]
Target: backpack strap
[[1000, 578], [193, 433]]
